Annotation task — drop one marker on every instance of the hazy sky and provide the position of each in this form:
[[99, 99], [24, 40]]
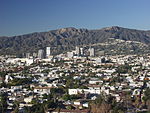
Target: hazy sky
[[26, 16]]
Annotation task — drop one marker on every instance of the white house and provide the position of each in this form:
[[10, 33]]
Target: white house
[[42, 90], [83, 91], [28, 99]]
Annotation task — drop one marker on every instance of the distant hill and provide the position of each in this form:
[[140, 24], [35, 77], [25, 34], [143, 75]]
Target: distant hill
[[66, 39]]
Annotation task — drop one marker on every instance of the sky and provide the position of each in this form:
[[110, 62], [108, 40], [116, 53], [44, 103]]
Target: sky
[[19, 17]]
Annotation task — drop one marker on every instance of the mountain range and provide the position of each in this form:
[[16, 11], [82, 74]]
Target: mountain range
[[112, 40]]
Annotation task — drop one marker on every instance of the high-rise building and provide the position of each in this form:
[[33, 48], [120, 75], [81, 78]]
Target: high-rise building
[[70, 54], [81, 51], [41, 54], [48, 51], [78, 52], [92, 51], [27, 55], [34, 55]]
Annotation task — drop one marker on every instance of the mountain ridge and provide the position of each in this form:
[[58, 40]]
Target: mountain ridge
[[103, 28], [65, 39]]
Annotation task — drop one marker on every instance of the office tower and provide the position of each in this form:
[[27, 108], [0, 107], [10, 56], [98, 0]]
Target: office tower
[[34, 55], [78, 51], [92, 51], [41, 54], [81, 51], [27, 55], [70, 54], [48, 51]]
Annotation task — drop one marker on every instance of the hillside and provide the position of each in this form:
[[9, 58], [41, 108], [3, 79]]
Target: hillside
[[66, 39]]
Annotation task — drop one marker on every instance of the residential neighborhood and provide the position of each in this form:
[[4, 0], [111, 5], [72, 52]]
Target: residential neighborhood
[[75, 83]]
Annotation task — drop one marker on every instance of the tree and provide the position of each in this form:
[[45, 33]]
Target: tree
[[55, 91], [146, 98], [70, 107], [37, 108], [66, 97], [123, 69], [50, 104], [16, 106], [148, 105], [20, 81], [2, 74], [99, 100], [104, 107], [3, 102], [69, 83]]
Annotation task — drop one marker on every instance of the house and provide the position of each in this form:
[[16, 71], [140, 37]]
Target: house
[[28, 99], [42, 90], [81, 103], [83, 91], [77, 102], [95, 81], [93, 86], [8, 78]]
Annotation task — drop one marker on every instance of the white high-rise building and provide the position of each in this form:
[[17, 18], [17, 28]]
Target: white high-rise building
[[27, 55], [78, 51], [70, 54], [41, 54], [48, 51], [81, 51], [92, 51], [34, 55]]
